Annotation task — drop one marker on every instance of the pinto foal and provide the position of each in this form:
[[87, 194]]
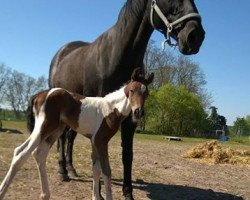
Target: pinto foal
[[94, 117]]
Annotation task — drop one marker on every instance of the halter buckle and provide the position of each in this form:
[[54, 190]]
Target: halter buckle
[[153, 3]]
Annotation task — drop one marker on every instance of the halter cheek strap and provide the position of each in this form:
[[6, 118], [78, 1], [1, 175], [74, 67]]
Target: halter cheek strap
[[155, 7]]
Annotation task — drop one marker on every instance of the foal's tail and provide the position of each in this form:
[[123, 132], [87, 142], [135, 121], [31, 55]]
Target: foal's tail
[[30, 115]]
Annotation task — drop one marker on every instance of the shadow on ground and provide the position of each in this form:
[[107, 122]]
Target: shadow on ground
[[10, 130], [158, 191]]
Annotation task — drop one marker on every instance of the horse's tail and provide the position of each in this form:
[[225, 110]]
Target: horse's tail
[[30, 114]]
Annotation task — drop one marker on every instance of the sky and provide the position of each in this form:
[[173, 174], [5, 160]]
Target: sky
[[31, 32]]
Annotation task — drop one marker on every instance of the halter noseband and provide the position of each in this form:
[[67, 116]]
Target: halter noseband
[[155, 7]]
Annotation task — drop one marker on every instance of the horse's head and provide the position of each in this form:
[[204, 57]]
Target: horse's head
[[137, 91], [180, 20]]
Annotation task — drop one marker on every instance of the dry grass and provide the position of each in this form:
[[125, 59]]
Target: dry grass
[[213, 152]]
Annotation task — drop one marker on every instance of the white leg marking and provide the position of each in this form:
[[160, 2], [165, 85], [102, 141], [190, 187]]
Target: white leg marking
[[107, 182], [40, 154], [21, 154], [96, 180], [17, 162]]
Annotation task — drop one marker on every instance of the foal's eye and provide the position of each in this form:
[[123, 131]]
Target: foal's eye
[[132, 92]]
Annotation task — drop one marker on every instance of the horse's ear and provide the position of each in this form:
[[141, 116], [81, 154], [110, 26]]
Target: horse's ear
[[137, 74], [150, 78]]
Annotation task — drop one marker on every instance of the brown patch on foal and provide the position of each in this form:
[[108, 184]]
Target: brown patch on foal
[[109, 127], [61, 107]]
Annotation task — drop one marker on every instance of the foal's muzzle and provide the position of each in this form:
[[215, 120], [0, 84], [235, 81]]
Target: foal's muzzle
[[138, 113]]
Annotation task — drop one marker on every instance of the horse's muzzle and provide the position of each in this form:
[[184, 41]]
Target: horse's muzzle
[[191, 38]]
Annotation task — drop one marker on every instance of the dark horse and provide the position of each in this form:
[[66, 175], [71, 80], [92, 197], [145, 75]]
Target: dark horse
[[97, 68]]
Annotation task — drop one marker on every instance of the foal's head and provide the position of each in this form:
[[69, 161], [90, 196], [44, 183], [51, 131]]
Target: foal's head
[[137, 91]]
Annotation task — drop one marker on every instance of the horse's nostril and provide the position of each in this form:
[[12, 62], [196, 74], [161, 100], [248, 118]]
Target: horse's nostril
[[192, 38]]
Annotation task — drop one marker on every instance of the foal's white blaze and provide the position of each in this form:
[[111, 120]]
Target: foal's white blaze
[[143, 88]]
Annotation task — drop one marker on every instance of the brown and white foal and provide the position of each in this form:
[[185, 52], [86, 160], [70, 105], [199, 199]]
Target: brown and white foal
[[94, 117]]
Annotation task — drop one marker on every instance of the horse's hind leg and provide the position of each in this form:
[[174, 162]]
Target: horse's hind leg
[[63, 173], [21, 154]]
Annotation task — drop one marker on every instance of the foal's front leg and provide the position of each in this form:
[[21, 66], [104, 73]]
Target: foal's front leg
[[96, 175], [102, 150]]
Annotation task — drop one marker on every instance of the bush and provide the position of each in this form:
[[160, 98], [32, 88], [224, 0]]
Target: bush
[[172, 110]]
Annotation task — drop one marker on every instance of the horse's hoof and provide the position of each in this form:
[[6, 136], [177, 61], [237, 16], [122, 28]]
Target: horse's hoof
[[72, 173], [129, 196], [64, 177]]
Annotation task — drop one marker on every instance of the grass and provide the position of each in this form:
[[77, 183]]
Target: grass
[[243, 141], [20, 125]]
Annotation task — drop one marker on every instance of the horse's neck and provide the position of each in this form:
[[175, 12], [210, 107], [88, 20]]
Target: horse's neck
[[119, 101], [130, 34]]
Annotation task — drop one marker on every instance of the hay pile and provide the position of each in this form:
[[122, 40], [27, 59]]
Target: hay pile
[[213, 152]]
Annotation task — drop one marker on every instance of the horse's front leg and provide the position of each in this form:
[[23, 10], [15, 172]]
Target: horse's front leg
[[127, 134], [71, 135]]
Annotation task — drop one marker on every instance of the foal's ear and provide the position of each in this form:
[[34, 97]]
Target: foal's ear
[[138, 74], [150, 78]]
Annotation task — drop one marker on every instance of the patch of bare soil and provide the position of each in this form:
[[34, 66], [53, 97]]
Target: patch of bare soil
[[159, 173]]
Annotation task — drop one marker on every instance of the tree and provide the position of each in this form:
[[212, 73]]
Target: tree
[[173, 110], [19, 88], [4, 76], [178, 70], [241, 126]]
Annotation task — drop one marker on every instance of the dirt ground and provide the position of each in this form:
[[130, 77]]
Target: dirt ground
[[159, 173]]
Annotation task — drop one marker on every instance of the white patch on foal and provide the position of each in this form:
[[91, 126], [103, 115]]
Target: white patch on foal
[[94, 110]]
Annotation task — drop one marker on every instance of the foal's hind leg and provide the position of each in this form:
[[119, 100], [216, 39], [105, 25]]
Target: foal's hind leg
[[21, 154], [40, 154]]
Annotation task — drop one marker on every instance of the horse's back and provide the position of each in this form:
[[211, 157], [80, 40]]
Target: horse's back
[[61, 68]]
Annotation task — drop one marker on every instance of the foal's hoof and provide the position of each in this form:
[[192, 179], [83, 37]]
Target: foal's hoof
[[64, 177], [128, 196]]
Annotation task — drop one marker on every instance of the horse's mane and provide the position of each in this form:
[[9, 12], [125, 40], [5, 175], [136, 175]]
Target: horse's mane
[[131, 7]]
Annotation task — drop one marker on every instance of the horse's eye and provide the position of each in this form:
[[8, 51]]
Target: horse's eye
[[132, 92]]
